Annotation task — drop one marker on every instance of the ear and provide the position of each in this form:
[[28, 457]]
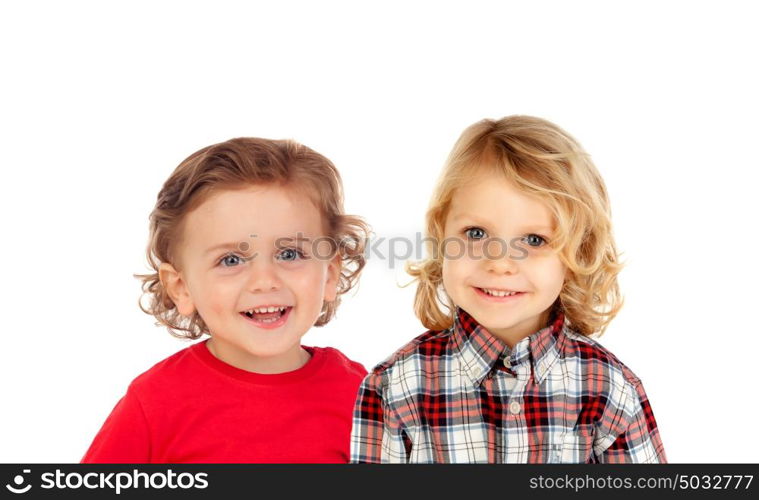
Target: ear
[[177, 289], [333, 275]]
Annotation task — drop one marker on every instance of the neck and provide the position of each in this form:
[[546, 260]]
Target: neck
[[511, 336], [288, 361]]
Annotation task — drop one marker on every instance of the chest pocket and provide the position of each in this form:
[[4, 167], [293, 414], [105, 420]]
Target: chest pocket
[[577, 446]]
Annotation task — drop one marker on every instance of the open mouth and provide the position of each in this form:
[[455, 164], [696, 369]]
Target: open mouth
[[268, 317], [499, 295]]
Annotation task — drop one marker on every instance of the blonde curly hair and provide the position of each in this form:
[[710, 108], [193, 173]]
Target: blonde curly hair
[[544, 161], [233, 164]]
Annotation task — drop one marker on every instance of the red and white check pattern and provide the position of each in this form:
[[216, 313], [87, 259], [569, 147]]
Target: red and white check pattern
[[462, 396]]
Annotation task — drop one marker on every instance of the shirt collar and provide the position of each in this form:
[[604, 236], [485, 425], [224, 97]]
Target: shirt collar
[[480, 350]]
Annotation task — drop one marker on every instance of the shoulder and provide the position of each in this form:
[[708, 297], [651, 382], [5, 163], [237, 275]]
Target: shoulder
[[425, 347], [593, 358], [398, 379], [605, 379], [337, 361], [177, 367]]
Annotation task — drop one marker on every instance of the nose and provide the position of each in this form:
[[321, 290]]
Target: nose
[[499, 261], [263, 276], [501, 266]]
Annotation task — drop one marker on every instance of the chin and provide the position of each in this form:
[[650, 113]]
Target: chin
[[499, 321]]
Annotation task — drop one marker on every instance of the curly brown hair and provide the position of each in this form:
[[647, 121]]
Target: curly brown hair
[[233, 164]]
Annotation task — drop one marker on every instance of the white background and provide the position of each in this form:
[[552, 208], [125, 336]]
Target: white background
[[100, 102]]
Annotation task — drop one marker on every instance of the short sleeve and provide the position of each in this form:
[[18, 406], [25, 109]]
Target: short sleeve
[[638, 439], [124, 437]]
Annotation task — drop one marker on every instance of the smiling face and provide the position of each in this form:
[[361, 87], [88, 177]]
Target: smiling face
[[497, 243], [270, 261]]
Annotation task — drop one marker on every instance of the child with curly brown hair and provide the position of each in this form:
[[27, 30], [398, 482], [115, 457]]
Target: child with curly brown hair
[[250, 246]]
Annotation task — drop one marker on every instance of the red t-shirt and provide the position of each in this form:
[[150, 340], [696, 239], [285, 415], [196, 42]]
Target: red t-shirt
[[193, 407]]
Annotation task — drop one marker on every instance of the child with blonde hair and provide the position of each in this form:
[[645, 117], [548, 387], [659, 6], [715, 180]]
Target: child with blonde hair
[[250, 246], [522, 272]]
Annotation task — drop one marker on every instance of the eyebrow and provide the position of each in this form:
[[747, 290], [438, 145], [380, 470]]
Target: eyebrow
[[236, 245], [224, 246], [527, 227], [294, 239]]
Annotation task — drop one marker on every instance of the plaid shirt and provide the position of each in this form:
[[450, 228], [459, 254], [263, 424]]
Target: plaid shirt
[[462, 396]]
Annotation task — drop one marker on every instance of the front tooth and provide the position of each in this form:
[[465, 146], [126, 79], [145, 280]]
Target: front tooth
[[267, 309]]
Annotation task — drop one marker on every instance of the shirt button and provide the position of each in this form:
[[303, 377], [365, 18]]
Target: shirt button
[[515, 407], [476, 372], [507, 362]]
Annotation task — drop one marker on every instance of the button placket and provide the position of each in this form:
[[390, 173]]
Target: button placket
[[515, 407], [509, 382]]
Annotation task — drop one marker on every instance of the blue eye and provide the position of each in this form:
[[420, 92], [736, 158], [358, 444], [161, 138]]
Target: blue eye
[[231, 259], [290, 254], [534, 238], [475, 233]]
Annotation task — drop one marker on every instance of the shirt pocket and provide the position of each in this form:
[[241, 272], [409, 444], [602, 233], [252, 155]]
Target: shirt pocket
[[577, 446]]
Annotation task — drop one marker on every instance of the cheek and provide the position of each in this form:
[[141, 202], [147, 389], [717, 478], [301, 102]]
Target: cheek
[[214, 296], [307, 278], [448, 272], [455, 274], [217, 305], [461, 265], [549, 274]]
